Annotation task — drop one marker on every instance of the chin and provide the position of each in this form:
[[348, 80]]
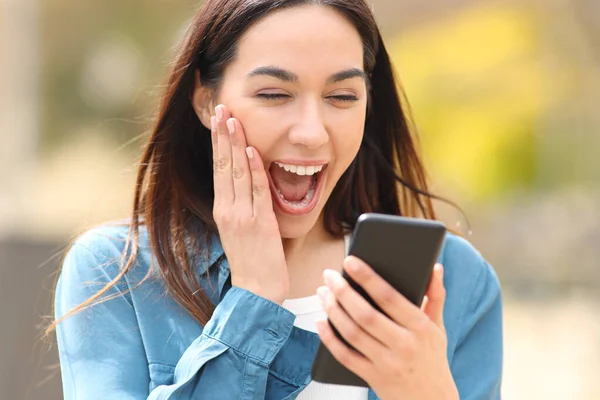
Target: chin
[[292, 227]]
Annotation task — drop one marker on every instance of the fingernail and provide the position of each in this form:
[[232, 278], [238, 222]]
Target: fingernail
[[351, 264], [332, 278], [322, 292], [440, 269], [213, 123], [230, 126], [249, 152], [219, 113]]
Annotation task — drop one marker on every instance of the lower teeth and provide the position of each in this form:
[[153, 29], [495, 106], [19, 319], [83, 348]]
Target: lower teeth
[[301, 203]]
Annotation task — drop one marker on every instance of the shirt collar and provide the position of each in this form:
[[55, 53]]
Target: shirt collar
[[216, 282], [216, 252]]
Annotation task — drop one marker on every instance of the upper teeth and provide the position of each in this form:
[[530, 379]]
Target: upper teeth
[[301, 169]]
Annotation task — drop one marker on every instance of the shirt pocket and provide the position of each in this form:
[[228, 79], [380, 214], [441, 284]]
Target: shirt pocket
[[160, 374]]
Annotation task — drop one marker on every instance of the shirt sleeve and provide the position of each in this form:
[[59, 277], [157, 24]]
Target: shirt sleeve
[[102, 355], [477, 362]]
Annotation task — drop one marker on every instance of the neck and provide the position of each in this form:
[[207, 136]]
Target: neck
[[307, 256], [294, 248]]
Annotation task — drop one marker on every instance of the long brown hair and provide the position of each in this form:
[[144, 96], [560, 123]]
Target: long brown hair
[[174, 188]]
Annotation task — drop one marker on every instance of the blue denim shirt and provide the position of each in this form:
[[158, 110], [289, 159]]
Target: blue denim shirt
[[143, 345]]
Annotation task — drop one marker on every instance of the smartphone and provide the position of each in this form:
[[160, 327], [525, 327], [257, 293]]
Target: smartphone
[[402, 251]]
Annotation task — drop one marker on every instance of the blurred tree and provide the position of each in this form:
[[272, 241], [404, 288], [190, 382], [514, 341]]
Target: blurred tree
[[479, 87], [102, 62]]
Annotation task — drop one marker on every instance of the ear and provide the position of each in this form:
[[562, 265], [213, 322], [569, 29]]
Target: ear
[[202, 101]]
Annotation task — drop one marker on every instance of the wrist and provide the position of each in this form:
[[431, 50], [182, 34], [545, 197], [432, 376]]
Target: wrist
[[272, 294]]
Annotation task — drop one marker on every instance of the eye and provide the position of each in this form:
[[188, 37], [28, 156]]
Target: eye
[[278, 96], [272, 96], [344, 98]]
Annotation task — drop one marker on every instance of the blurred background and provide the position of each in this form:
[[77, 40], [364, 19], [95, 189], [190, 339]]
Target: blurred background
[[504, 95]]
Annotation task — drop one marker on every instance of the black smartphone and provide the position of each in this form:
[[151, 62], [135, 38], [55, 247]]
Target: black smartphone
[[403, 251]]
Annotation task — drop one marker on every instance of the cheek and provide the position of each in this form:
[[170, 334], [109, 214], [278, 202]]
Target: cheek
[[346, 140], [259, 129], [346, 151]]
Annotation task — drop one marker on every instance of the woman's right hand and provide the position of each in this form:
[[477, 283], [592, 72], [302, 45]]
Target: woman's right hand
[[243, 212]]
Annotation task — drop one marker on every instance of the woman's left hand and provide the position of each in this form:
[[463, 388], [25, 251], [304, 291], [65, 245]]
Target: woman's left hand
[[403, 356]]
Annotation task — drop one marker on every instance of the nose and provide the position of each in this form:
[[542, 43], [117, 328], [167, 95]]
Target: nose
[[309, 128]]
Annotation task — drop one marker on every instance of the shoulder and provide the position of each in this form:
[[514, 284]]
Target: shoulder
[[464, 266], [472, 287], [99, 254], [107, 238]]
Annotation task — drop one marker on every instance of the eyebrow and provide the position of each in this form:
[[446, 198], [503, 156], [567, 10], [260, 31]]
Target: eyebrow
[[288, 76]]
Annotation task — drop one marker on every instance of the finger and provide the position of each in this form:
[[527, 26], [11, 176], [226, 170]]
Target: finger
[[215, 152], [223, 161], [362, 313], [242, 181], [262, 203], [354, 334], [391, 302], [424, 303], [436, 297], [351, 359]]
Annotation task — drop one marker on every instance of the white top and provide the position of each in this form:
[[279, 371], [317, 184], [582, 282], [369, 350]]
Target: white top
[[308, 311]]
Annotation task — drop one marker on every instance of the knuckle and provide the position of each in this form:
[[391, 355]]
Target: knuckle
[[257, 189], [238, 173], [366, 317], [397, 369], [224, 218], [220, 218], [387, 296], [421, 324], [443, 293], [242, 220], [352, 334], [343, 356], [221, 164], [235, 219], [408, 348]]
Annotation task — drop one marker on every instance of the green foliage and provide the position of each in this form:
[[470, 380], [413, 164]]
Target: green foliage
[[136, 34]]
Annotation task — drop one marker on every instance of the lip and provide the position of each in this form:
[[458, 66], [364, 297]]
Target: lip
[[313, 202], [290, 161]]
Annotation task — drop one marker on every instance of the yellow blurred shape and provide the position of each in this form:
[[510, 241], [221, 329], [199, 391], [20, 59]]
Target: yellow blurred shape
[[473, 39], [477, 84]]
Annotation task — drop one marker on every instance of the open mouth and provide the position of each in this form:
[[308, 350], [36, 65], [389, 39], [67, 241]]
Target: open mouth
[[295, 188]]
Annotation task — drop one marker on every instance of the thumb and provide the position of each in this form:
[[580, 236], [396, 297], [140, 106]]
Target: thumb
[[433, 304]]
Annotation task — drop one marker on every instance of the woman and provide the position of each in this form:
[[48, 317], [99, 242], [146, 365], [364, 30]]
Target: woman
[[209, 291]]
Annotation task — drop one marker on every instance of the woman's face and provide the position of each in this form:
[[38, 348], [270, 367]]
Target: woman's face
[[297, 87]]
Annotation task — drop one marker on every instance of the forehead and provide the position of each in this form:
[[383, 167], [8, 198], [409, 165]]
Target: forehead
[[313, 37]]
